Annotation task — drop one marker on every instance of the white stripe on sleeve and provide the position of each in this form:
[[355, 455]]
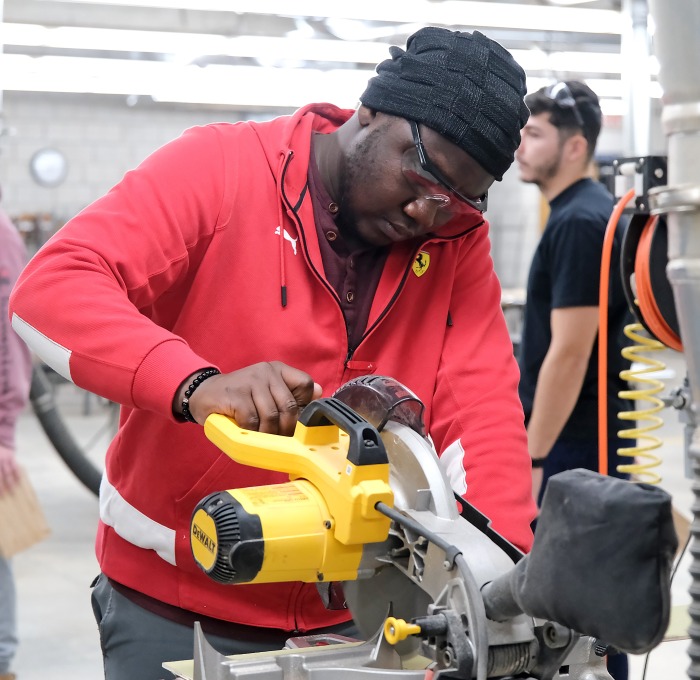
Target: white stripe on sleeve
[[55, 355]]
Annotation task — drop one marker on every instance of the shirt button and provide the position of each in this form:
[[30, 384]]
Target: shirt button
[[331, 235], [333, 208], [350, 296]]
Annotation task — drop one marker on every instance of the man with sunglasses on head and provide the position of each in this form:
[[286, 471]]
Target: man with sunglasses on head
[[249, 268], [559, 350]]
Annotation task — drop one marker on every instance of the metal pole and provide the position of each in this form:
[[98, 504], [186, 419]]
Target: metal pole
[[678, 49], [635, 51]]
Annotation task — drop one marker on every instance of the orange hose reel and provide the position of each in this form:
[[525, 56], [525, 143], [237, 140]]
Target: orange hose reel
[[647, 290], [658, 320]]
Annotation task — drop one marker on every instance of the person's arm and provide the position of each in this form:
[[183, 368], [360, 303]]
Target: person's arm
[[477, 420], [573, 262], [15, 360], [561, 376], [83, 302], [114, 261]]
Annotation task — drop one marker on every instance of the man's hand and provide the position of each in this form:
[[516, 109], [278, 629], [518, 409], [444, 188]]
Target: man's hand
[[266, 397], [9, 470]]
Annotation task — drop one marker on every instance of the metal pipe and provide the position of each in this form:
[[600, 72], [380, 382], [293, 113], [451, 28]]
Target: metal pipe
[[635, 51], [677, 46]]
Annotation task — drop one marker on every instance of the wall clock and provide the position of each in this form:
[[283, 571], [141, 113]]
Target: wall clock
[[48, 167]]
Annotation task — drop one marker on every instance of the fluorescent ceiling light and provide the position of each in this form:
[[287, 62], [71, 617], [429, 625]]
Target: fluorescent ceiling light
[[577, 62], [572, 62], [613, 107], [245, 86], [194, 44], [188, 46], [79, 38], [447, 13]]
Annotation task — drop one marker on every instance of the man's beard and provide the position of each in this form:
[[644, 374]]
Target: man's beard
[[356, 167], [544, 173], [347, 218]]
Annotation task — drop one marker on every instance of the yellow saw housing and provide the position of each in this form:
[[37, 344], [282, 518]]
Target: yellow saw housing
[[312, 528]]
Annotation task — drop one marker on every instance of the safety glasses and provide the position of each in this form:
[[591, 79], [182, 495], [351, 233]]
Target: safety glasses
[[418, 168], [561, 95]]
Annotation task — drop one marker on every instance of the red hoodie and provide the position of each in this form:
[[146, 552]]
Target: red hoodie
[[180, 266]]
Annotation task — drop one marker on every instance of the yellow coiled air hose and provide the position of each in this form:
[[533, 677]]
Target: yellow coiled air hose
[[643, 461]]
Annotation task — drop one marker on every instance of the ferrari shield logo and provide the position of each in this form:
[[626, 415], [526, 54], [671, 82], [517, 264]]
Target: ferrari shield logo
[[421, 263]]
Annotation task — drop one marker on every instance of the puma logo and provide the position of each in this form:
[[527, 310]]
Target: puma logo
[[287, 237]]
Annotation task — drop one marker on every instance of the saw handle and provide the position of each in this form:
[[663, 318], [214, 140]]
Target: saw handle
[[366, 447]]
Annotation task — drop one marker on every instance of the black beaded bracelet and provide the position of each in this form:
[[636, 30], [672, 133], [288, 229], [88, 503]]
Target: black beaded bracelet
[[538, 462], [190, 391]]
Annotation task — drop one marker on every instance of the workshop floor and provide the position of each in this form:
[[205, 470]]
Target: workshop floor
[[58, 636]]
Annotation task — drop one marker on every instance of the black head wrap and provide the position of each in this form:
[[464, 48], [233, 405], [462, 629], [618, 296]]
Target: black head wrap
[[463, 85]]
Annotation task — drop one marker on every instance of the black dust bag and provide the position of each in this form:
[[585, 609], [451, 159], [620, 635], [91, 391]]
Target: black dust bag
[[600, 563]]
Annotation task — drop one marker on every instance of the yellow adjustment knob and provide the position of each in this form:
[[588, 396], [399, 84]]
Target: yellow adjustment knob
[[396, 630]]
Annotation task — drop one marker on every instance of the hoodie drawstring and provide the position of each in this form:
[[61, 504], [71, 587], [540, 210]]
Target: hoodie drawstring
[[280, 213], [283, 276]]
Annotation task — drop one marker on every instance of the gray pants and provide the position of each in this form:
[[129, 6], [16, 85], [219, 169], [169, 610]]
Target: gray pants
[[8, 616], [135, 642]]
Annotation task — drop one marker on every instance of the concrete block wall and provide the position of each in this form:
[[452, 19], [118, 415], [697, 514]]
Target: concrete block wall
[[103, 137]]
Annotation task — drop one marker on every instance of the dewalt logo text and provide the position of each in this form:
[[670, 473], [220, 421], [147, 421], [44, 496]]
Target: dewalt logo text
[[203, 538]]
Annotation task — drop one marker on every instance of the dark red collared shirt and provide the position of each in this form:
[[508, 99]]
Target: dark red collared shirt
[[354, 275]]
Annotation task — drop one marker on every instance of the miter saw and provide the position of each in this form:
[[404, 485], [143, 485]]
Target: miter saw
[[432, 588]]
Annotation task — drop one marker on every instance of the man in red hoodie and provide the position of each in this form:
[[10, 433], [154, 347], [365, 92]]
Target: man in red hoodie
[[249, 268]]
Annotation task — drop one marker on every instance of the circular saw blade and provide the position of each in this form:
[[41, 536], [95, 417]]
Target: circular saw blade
[[419, 485]]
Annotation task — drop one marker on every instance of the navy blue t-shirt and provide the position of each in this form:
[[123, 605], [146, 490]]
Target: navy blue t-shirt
[[565, 272]]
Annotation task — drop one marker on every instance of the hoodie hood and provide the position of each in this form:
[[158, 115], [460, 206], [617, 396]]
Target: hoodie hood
[[288, 151], [294, 132]]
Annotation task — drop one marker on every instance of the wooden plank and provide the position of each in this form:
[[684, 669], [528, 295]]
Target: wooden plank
[[22, 521]]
